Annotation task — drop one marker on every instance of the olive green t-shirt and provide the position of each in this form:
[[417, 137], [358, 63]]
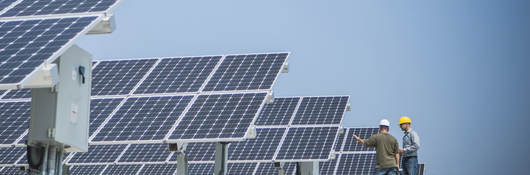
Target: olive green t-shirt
[[386, 147]]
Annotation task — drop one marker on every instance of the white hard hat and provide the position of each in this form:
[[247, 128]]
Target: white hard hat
[[384, 122]]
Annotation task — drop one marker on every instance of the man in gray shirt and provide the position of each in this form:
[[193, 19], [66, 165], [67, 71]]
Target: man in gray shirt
[[411, 144]]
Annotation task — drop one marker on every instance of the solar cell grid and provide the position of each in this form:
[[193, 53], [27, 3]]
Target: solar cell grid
[[26, 44], [200, 168], [122, 169], [87, 169], [241, 168], [317, 143], [269, 169], [15, 120], [244, 72], [279, 112], [53, 7], [262, 147], [5, 3], [98, 154], [328, 167], [321, 110], [119, 77], [159, 169], [100, 109], [201, 151], [11, 155], [178, 75], [143, 118], [145, 153], [364, 133], [356, 164], [219, 116], [11, 170], [18, 93]]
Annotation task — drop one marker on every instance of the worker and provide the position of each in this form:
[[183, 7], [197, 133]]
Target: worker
[[387, 150], [411, 144]]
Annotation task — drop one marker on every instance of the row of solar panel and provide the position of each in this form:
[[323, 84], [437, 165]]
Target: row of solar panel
[[53, 7], [252, 149], [152, 118], [180, 75], [344, 164]]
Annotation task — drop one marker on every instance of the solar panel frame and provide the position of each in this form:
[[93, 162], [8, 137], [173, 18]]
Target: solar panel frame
[[55, 54], [4, 13]]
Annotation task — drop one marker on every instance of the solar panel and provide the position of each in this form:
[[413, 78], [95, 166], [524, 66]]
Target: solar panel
[[11, 155], [11, 170], [202, 151], [5, 3], [52, 7], [149, 169], [122, 169], [98, 154], [143, 118], [321, 110], [245, 72], [241, 168], [15, 120], [356, 164], [178, 75], [262, 147], [279, 112], [317, 143], [340, 139], [269, 169], [200, 168], [364, 133], [87, 169], [119, 77], [219, 116], [328, 167], [18, 93], [100, 109], [26, 44], [145, 153]]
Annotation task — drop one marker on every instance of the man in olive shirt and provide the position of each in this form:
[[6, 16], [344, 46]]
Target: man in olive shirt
[[387, 149]]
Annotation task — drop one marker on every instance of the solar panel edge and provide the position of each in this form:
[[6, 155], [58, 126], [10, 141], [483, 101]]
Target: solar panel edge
[[109, 10], [55, 55]]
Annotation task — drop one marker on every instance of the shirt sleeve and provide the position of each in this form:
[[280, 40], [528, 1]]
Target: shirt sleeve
[[415, 143], [370, 142]]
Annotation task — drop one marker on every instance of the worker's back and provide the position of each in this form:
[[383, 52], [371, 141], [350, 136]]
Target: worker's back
[[386, 147]]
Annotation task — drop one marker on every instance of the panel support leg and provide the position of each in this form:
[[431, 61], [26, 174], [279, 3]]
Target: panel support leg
[[307, 168], [221, 157], [182, 158], [279, 166]]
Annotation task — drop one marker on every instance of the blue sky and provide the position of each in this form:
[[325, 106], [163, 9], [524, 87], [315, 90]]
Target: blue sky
[[459, 69]]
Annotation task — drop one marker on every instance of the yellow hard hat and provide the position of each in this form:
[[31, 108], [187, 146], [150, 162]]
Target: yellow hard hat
[[404, 119]]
